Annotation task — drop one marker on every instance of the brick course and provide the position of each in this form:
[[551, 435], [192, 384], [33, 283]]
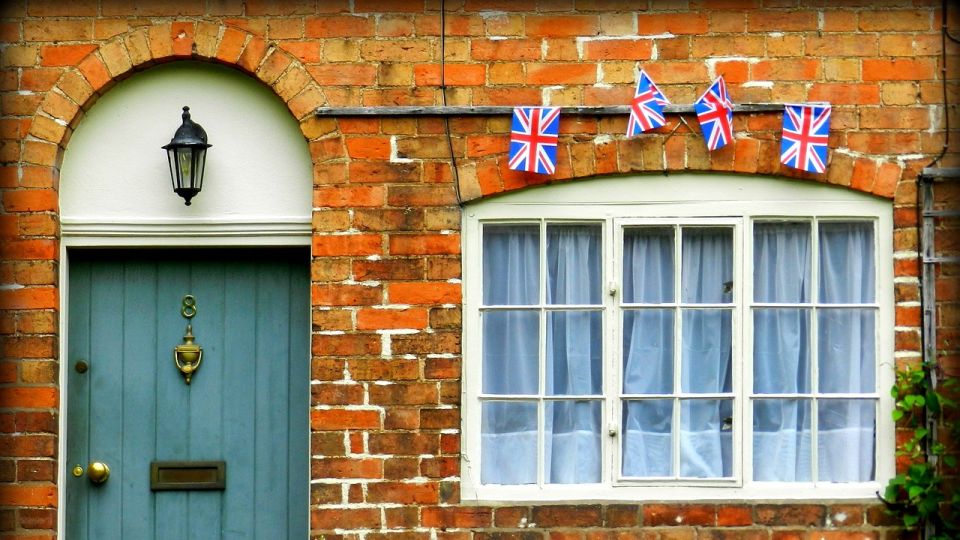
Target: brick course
[[384, 188]]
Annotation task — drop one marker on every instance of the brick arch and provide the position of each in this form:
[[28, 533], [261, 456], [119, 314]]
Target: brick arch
[[89, 77], [669, 151]]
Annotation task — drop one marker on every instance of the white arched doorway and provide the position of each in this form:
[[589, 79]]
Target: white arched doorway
[[227, 452]]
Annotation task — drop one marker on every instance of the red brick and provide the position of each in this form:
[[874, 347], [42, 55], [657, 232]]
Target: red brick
[[845, 94], [95, 72], [231, 45], [342, 74], [181, 37], [368, 147], [454, 74], [252, 54], [896, 20], [561, 73], [898, 69], [64, 55], [402, 492], [506, 49], [376, 319], [346, 344], [425, 244], [344, 518], [349, 196], [346, 468], [339, 419], [734, 516], [42, 496], [345, 295], [561, 25], [457, 517], [806, 515], [669, 23], [29, 398], [424, 293], [785, 69], [778, 21], [675, 515], [567, 516]]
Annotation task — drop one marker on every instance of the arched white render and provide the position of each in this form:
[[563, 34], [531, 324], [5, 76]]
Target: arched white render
[[115, 181]]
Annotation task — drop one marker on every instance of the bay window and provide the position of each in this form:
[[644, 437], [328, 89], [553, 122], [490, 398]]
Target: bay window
[[713, 342]]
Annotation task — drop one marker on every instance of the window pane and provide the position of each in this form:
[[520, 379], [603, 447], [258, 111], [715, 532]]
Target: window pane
[[707, 351], [572, 442], [781, 351], [781, 440], [574, 348], [707, 266], [573, 264], [648, 351], [706, 438], [511, 264], [847, 431], [846, 263], [510, 352], [648, 438], [648, 265], [846, 352], [508, 443], [781, 262]]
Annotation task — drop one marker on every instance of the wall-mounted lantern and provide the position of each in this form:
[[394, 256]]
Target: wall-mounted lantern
[[187, 154]]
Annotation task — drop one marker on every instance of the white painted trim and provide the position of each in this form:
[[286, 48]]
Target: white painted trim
[[182, 232]]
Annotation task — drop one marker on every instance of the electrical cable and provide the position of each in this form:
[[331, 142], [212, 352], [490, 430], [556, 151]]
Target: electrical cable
[[443, 96]]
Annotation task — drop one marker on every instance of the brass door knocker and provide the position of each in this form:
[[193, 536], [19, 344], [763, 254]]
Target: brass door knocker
[[187, 355]]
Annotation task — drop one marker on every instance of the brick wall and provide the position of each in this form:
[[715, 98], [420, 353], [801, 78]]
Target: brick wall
[[387, 456]]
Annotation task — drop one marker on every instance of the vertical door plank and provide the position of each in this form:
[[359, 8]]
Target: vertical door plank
[[298, 426], [106, 367], [140, 357], [173, 396], [205, 433], [78, 397], [272, 350], [239, 376]]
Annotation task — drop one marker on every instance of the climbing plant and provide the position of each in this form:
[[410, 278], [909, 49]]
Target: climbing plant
[[920, 496]]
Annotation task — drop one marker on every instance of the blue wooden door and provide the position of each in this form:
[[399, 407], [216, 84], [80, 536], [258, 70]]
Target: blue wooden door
[[247, 405]]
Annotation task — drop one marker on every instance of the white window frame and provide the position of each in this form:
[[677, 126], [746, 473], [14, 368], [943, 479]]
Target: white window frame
[[688, 200]]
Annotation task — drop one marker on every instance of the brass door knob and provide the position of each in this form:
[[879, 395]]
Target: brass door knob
[[98, 472]]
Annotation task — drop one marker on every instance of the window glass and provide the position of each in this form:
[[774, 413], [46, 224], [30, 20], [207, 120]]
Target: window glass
[[573, 264], [511, 264], [846, 263], [508, 444], [648, 265]]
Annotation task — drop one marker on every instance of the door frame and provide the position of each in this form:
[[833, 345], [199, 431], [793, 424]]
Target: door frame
[[185, 234]]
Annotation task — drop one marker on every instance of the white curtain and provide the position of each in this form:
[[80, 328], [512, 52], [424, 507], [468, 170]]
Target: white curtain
[[570, 404], [649, 356], [846, 352], [572, 363]]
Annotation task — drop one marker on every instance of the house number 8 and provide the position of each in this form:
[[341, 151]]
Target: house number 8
[[189, 306]]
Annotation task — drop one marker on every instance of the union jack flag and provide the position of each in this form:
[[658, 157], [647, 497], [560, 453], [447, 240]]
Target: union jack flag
[[533, 139], [804, 142], [715, 113], [646, 108]]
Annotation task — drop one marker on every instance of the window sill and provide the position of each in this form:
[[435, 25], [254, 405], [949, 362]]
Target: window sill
[[866, 492]]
